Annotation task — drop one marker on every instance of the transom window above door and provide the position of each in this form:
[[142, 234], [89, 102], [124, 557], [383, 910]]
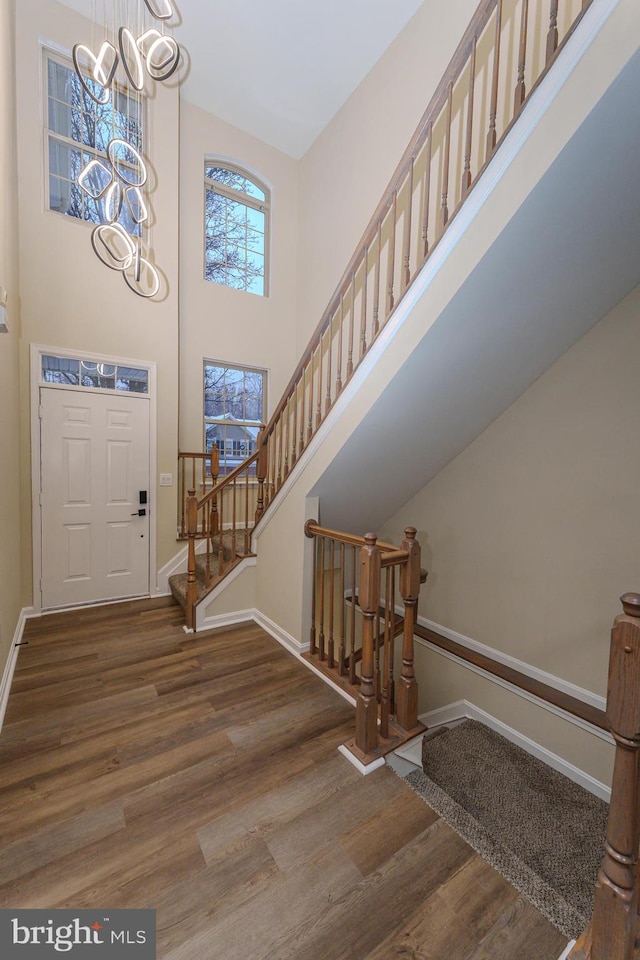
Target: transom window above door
[[236, 228]]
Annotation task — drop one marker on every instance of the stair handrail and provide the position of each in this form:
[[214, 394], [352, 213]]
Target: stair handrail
[[378, 695], [311, 391], [615, 926], [293, 399]]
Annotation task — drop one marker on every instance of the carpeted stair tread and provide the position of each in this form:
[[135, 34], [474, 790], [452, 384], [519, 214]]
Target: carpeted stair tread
[[541, 831], [178, 581]]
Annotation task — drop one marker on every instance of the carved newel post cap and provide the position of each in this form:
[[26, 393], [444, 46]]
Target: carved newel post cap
[[370, 539], [631, 604], [191, 493], [410, 533]]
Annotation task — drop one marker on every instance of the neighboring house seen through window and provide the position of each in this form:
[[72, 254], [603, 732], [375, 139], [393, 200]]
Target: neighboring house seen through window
[[78, 130], [234, 407], [236, 228]]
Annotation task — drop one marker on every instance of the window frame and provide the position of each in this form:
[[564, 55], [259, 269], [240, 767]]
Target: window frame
[[237, 367], [63, 58], [263, 206]]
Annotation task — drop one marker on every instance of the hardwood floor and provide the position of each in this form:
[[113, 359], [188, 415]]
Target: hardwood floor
[[141, 767]]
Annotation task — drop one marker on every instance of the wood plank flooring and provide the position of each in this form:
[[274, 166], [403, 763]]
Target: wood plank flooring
[[199, 776]]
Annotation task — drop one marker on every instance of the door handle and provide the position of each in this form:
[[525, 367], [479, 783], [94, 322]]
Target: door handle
[[139, 513]]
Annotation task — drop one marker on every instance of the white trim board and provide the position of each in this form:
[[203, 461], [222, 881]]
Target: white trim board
[[464, 709], [206, 623], [557, 683], [360, 767], [569, 947], [12, 659]]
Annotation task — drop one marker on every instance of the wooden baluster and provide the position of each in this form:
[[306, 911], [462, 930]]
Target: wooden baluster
[[332, 576], [406, 244], [392, 648], [192, 585], [329, 355], [321, 601], [246, 512], [407, 692], [493, 109], [340, 346], [427, 193], [376, 658], [294, 445], [466, 175], [369, 591], [310, 425], [444, 208], [221, 536], [391, 268], [352, 643], [363, 312], [343, 602], [287, 415], [183, 499], [303, 409], [313, 646], [280, 445], [376, 285], [384, 697], [261, 471], [614, 914], [351, 326], [215, 473], [552, 35], [520, 93], [234, 519], [207, 568], [319, 408]]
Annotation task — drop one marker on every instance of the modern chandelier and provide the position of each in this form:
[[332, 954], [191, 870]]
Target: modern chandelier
[[138, 53]]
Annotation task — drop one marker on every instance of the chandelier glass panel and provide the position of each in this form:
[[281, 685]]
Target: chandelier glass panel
[[136, 52]]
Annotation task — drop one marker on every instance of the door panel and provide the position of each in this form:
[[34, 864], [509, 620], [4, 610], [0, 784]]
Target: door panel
[[94, 462]]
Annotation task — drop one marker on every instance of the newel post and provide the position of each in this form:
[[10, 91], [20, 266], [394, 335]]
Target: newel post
[[407, 690], [614, 914], [369, 595], [261, 471], [192, 586]]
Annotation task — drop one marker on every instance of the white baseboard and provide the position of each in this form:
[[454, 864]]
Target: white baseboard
[[12, 659], [285, 639], [565, 953], [226, 619], [360, 767], [463, 709]]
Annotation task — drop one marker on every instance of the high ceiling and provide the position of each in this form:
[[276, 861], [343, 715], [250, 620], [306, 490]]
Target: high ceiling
[[278, 69]]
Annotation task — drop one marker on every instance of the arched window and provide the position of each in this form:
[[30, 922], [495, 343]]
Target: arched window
[[236, 228]]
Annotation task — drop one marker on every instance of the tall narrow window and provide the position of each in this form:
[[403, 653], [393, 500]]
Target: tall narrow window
[[234, 408], [78, 130], [236, 229]]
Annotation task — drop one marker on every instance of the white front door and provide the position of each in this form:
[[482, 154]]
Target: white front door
[[94, 468]]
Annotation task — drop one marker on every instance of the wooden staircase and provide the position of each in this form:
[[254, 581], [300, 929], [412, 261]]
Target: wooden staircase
[[228, 548]]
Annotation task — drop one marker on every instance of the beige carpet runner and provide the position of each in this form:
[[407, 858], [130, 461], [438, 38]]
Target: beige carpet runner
[[541, 831]]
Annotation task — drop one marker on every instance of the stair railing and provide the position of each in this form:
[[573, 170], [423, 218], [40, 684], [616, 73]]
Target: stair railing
[[615, 928], [197, 472], [475, 105], [222, 520], [354, 627], [471, 112]]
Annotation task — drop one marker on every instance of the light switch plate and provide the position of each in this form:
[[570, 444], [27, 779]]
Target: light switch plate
[[166, 479]]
